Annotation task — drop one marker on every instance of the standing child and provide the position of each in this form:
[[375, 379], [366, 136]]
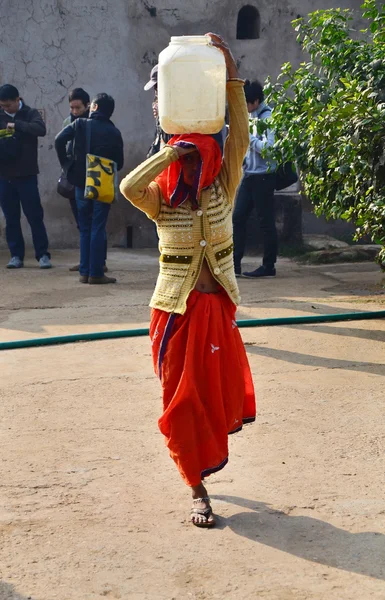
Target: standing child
[[198, 353]]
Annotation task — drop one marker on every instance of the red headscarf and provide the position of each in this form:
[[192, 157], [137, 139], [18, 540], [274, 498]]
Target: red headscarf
[[170, 181]]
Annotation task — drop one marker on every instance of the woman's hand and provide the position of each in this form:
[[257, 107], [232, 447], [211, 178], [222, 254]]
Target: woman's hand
[[183, 151], [218, 42]]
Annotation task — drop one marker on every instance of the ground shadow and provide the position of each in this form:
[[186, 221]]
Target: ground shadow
[[318, 305], [310, 306], [317, 361], [364, 334], [8, 592], [308, 538]]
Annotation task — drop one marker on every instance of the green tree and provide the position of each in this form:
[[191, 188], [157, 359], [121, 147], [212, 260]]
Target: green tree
[[329, 115]]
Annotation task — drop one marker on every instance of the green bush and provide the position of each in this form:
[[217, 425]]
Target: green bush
[[329, 116]]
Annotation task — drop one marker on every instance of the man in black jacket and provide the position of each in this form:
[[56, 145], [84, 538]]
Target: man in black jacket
[[79, 101], [106, 141], [18, 178]]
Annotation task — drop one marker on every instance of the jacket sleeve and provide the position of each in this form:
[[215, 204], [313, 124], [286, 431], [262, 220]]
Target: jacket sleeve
[[237, 141], [61, 141], [139, 186], [35, 126]]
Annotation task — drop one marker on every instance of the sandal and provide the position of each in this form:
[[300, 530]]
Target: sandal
[[202, 512]]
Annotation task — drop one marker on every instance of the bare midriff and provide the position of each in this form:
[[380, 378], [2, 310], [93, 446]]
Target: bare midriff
[[206, 282]]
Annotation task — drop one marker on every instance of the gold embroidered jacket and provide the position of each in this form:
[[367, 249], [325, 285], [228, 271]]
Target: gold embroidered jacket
[[186, 236]]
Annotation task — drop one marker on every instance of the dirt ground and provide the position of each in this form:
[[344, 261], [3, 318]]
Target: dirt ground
[[92, 507]]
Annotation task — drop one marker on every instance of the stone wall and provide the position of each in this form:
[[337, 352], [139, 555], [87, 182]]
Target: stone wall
[[50, 46]]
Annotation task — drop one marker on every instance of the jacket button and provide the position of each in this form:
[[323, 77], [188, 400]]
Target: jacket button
[[217, 271], [199, 213], [203, 243]]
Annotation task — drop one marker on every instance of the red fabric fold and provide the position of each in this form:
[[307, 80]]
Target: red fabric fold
[[207, 385], [170, 181]]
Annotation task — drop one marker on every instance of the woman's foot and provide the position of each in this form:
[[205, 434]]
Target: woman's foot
[[201, 511]]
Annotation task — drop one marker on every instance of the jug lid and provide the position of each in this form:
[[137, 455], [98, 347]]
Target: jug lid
[[190, 39]]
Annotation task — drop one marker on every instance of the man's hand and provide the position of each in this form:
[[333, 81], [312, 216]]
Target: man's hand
[[218, 42], [10, 125]]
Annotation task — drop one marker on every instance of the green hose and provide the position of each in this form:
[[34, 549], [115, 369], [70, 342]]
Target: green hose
[[120, 333]]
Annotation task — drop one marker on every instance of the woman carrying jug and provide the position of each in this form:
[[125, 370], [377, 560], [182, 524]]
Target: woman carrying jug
[[198, 354]]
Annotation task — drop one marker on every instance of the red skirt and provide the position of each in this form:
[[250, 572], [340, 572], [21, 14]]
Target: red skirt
[[208, 391]]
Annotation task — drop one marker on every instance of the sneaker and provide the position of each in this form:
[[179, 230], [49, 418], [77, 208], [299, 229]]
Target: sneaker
[[262, 271], [83, 278], [101, 280], [45, 262], [15, 263]]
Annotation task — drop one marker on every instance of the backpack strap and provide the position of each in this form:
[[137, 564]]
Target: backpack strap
[[263, 111], [88, 135], [73, 146]]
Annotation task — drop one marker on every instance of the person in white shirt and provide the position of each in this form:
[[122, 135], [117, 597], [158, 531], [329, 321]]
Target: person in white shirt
[[256, 190]]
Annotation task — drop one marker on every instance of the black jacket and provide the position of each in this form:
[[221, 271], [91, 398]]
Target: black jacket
[[67, 121], [28, 127], [106, 141]]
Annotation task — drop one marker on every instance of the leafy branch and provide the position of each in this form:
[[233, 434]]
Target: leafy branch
[[329, 116]]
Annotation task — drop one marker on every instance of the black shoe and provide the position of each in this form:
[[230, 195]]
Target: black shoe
[[262, 271], [101, 280]]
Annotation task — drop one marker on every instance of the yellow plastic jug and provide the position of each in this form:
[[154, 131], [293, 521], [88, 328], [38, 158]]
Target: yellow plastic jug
[[191, 86]]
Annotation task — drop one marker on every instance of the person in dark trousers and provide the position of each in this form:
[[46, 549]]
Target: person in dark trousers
[[256, 190], [79, 101], [18, 179], [106, 141]]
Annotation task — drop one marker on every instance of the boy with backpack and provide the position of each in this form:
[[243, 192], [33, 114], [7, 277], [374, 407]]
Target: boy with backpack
[[104, 140]]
